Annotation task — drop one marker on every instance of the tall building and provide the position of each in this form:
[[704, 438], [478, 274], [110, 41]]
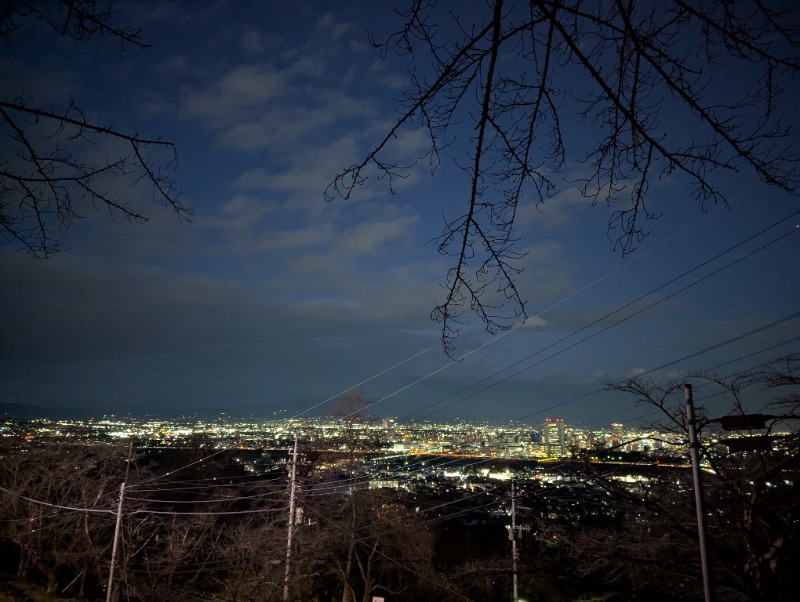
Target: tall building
[[617, 433], [554, 437]]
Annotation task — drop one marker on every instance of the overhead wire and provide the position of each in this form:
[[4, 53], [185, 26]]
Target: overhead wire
[[447, 365], [723, 378], [621, 308], [107, 511], [505, 332], [679, 360], [372, 534], [58, 506], [690, 356], [616, 323], [335, 487], [338, 486]]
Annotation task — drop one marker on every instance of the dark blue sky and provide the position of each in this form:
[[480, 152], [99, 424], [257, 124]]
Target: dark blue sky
[[274, 300]]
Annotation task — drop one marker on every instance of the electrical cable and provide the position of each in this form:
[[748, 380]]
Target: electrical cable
[[514, 327], [401, 565], [59, 506], [624, 319], [429, 375]]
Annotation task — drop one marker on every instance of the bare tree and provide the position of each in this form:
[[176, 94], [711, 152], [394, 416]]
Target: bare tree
[[785, 373], [752, 507], [360, 541], [57, 501], [367, 543], [511, 78], [197, 536], [47, 167]]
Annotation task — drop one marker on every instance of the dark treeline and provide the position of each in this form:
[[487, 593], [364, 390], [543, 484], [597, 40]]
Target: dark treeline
[[196, 525]]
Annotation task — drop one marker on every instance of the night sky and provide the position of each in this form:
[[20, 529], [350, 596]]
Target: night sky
[[273, 301]]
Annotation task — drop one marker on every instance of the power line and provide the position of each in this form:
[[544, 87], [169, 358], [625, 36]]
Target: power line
[[616, 323], [59, 506], [728, 376], [681, 359], [501, 335]]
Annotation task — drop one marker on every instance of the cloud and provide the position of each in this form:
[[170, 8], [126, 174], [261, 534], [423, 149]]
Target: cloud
[[287, 129], [243, 207], [102, 332], [300, 89], [252, 42], [546, 275], [330, 24], [235, 96], [562, 210], [534, 322], [371, 237]]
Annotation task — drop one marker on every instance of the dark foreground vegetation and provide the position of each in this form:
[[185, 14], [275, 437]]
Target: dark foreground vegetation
[[213, 523], [194, 526]]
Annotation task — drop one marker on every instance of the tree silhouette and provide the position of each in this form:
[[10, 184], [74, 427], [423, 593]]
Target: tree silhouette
[[48, 164], [41, 481], [750, 496], [516, 74]]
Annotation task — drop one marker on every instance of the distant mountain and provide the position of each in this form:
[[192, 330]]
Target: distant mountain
[[262, 410], [19, 410]]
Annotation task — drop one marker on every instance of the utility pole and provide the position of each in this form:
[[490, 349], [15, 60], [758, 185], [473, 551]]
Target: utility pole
[[290, 533], [699, 498], [118, 525], [116, 543], [513, 536]]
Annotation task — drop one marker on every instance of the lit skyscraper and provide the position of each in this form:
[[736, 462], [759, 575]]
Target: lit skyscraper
[[554, 437], [617, 430]]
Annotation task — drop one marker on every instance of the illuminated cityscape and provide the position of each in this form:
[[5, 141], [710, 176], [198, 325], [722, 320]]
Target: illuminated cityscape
[[460, 493], [554, 440]]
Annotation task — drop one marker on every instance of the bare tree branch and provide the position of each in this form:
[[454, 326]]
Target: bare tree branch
[[509, 79], [45, 172]]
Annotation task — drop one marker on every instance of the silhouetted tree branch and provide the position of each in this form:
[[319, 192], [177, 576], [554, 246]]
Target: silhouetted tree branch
[[45, 169], [752, 524], [516, 73]]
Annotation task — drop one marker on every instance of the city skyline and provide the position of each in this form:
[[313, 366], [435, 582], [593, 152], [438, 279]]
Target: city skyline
[[499, 486], [274, 300], [464, 438]]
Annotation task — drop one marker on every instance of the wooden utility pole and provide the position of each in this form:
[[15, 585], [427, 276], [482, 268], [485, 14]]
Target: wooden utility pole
[[290, 533], [699, 498], [119, 524], [116, 543], [514, 554]]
